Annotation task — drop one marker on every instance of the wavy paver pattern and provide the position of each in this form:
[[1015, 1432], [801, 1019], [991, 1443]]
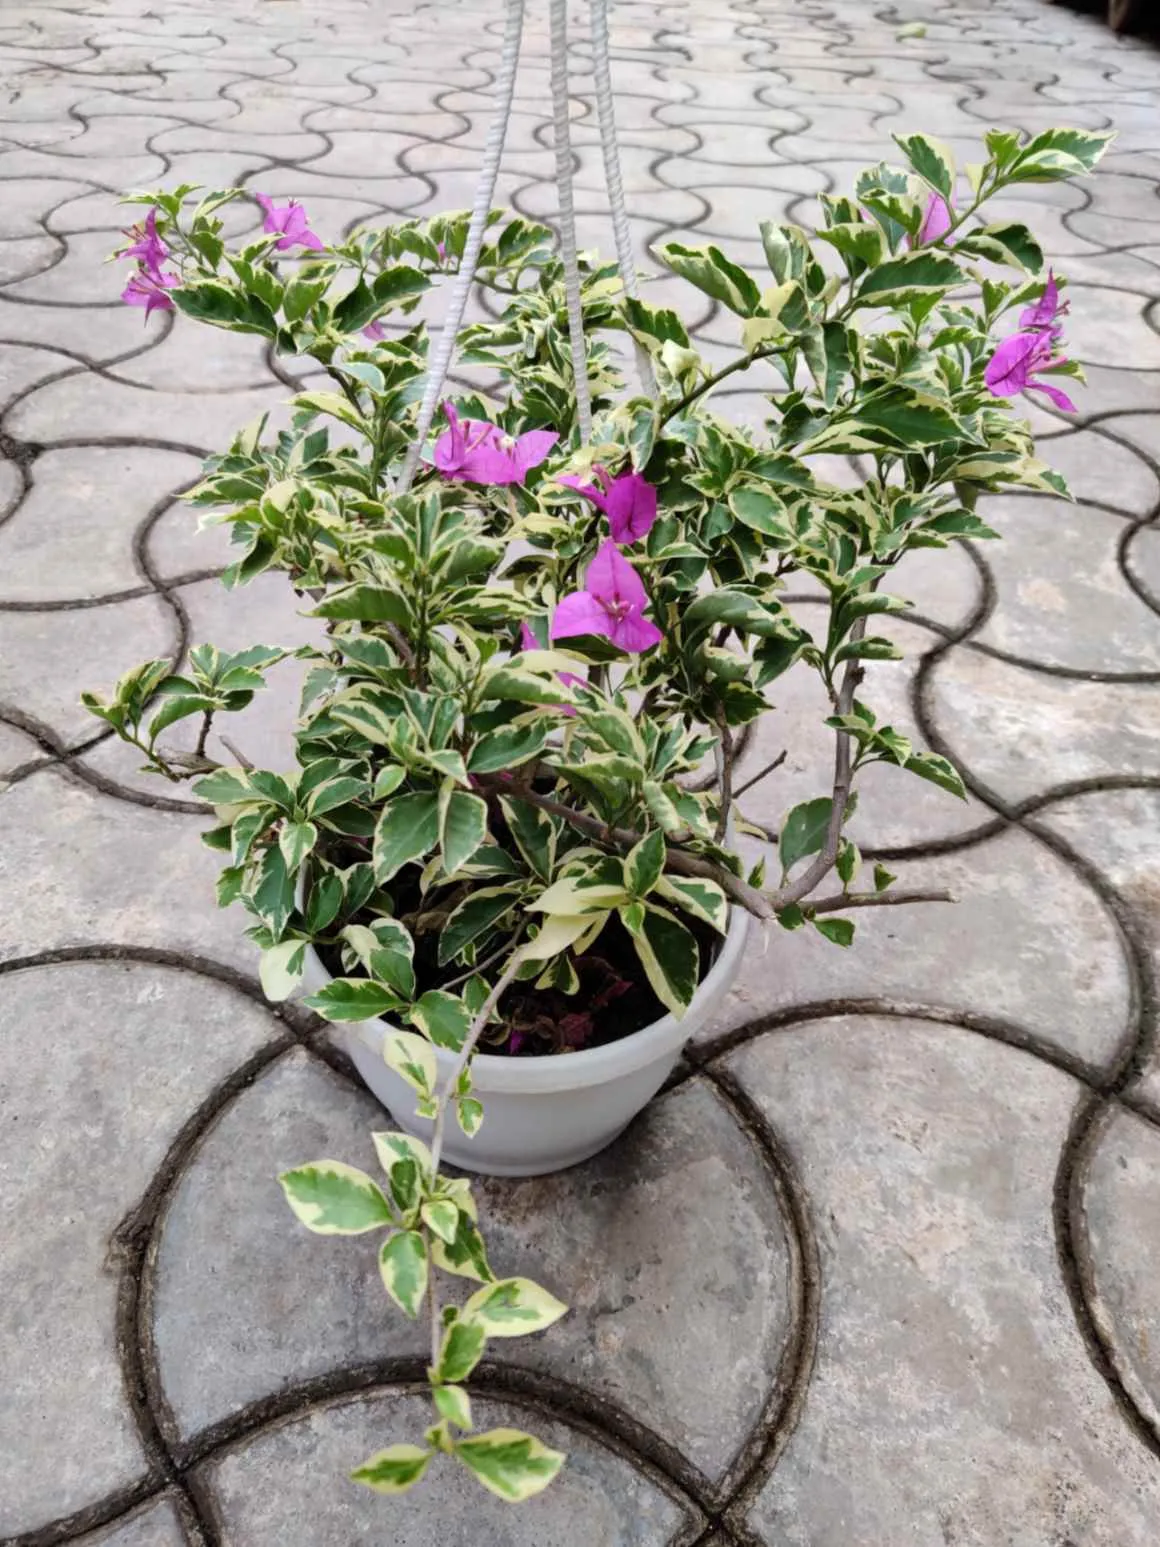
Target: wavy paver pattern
[[880, 1268]]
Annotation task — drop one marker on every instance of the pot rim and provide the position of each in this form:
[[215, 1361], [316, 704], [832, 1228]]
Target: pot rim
[[590, 1066]]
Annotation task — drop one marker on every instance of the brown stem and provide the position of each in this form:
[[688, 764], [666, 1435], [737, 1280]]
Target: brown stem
[[243, 760], [837, 904], [207, 721], [474, 1032], [794, 891], [723, 753], [399, 640], [678, 860], [761, 773]]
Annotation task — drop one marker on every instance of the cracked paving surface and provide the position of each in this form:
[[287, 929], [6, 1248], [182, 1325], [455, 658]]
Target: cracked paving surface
[[879, 1269]]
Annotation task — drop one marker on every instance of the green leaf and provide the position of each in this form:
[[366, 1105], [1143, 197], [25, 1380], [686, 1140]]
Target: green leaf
[[475, 916], [407, 830], [393, 1470], [525, 687], [1009, 243], [273, 895], [1057, 154], [512, 1306], [225, 787], [840, 931], [387, 781], [507, 747], [937, 770], [827, 354], [557, 934], [469, 1113], [352, 999], [280, 969], [669, 955], [334, 1199], [534, 833], [804, 831], [296, 840], [334, 793], [441, 1216], [365, 603], [912, 276], [883, 878], [463, 1345], [443, 1018], [411, 1057], [644, 864], [703, 899], [931, 159], [509, 1463], [403, 1265], [393, 1147], [466, 1256], [464, 828], [713, 273], [452, 1405], [760, 511]]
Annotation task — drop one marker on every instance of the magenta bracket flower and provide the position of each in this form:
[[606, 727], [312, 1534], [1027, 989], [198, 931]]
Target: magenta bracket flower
[[147, 247], [149, 288], [628, 500], [478, 452], [1041, 318], [290, 223], [1019, 361], [528, 641], [936, 222], [611, 605]]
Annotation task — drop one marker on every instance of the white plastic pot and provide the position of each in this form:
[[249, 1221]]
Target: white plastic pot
[[545, 1113]]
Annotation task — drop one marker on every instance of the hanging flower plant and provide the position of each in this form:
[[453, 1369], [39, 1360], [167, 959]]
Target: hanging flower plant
[[493, 826]]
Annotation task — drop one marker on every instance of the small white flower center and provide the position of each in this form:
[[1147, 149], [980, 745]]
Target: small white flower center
[[616, 609]]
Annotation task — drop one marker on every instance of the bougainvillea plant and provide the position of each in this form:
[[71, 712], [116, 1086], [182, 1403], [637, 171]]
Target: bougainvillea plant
[[515, 769]]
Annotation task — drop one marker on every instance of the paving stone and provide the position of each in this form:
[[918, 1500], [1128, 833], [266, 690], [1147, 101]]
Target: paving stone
[[48, 658], [1102, 469], [109, 872], [952, 1397], [257, 1331], [1062, 598], [154, 1526], [1119, 1191], [1021, 731], [102, 494], [288, 1488], [624, 1240], [203, 421], [158, 1052]]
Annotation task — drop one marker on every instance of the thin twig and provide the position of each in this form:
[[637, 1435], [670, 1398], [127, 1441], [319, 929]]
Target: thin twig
[[678, 860], [243, 760], [761, 773], [723, 753], [199, 750], [474, 1032], [488, 961], [836, 904]]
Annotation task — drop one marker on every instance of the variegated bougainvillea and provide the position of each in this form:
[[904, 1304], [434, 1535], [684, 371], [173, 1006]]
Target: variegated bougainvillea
[[534, 651]]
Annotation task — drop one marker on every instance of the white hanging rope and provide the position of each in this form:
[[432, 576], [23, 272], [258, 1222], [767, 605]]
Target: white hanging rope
[[440, 359], [602, 75], [559, 17]]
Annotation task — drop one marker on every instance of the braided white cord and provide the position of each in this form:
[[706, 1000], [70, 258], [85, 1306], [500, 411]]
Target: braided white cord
[[440, 359], [559, 16], [606, 112]]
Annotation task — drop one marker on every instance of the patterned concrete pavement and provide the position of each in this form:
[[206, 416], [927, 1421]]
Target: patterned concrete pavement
[[880, 1269]]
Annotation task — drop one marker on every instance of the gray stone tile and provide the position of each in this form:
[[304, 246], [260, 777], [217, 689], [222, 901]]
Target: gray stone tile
[[230, 1327], [109, 872], [1062, 599], [156, 1525], [1118, 1192], [288, 1488], [103, 493], [126, 1052], [1021, 732], [47, 659], [625, 1242], [1022, 926], [952, 1397]]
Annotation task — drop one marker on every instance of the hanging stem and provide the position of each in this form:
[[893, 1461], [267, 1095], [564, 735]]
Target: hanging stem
[[610, 148], [484, 196], [559, 19]]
